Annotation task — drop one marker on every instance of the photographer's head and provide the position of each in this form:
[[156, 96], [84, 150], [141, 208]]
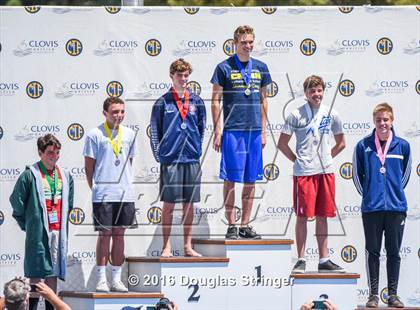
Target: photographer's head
[[16, 294]]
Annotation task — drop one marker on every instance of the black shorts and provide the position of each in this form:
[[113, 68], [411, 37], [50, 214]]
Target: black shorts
[[107, 215], [180, 183]]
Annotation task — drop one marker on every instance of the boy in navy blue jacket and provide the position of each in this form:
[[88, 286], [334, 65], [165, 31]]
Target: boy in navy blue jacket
[[177, 126], [381, 169]]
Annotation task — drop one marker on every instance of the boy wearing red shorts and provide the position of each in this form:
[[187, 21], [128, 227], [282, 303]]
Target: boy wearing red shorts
[[313, 177]]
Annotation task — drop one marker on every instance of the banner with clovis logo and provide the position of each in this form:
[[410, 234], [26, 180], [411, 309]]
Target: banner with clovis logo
[[58, 64]]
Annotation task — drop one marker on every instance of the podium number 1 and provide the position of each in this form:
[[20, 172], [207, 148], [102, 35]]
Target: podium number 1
[[258, 269]]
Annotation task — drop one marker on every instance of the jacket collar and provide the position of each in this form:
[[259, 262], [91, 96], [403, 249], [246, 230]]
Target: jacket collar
[[394, 141]]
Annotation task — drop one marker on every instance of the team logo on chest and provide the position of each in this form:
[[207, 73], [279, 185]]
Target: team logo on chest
[[324, 125]]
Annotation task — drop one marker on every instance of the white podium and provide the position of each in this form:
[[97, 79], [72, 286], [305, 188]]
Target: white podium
[[108, 301], [260, 268], [193, 282], [340, 288]]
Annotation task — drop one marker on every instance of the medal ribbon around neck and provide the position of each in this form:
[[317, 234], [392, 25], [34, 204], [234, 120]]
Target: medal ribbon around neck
[[245, 75], [116, 145], [53, 184], [382, 154], [182, 108], [315, 119]]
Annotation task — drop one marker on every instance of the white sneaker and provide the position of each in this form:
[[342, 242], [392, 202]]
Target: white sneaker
[[102, 286], [118, 286]]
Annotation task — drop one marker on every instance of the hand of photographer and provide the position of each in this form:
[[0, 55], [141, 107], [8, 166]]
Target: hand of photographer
[[2, 303], [307, 305], [330, 305], [46, 292]]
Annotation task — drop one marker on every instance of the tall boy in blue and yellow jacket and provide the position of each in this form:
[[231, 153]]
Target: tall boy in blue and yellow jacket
[[381, 169], [177, 124]]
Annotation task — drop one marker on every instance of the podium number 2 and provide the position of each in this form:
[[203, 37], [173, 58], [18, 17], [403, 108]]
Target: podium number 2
[[192, 297]]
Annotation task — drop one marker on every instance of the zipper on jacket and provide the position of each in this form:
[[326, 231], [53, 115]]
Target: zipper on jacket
[[386, 189]]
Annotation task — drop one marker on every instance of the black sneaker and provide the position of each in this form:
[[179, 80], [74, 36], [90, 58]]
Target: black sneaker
[[329, 267], [232, 232], [373, 301], [248, 233], [299, 267], [395, 302]]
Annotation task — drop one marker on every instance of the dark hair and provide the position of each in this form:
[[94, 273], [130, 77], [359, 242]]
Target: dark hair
[[111, 100], [47, 140], [313, 81]]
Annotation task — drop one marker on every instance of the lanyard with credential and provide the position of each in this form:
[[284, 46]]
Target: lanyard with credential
[[53, 184], [116, 145]]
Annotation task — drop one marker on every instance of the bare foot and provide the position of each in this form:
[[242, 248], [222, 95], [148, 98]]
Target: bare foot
[[191, 253], [166, 253]]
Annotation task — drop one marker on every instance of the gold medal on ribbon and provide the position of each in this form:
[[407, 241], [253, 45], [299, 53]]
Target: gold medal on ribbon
[[115, 144]]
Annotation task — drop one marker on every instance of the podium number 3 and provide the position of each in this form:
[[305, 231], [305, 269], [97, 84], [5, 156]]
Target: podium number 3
[[192, 297]]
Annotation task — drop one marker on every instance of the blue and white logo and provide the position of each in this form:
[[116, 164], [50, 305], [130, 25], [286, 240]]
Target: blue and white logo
[[115, 46], [77, 88], [8, 88], [10, 258], [147, 174], [61, 10], [150, 90], [9, 173], [346, 46], [381, 87], [356, 128], [296, 11], [272, 46], [349, 210], [413, 131], [413, 213], [29, 132], [28, 47], [187, 47], [279, 212], [413, 47]]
